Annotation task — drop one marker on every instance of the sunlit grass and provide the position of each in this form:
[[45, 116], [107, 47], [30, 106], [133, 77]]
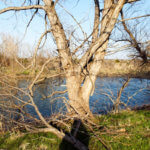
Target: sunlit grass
[[127, 130]]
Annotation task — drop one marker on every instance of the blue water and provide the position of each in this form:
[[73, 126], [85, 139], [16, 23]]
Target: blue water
[[136, 93]]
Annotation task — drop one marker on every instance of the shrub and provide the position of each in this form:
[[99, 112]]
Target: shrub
[[117, 61]]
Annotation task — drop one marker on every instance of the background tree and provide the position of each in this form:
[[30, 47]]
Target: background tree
[[9, 49], [132, 33]]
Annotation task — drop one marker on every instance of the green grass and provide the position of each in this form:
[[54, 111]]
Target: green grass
[[26, 72], [36, 141], [127, 130], [123, 131]]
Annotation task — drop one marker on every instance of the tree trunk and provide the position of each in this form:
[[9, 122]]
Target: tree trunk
[[85, 72], [78, 102]]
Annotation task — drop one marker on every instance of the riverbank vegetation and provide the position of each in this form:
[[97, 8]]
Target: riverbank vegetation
[[110, 68]]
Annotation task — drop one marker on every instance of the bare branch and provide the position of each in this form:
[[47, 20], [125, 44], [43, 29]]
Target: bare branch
[[58, 33], [106, 31], [32, 17], [119, 95], [38, 75], [37, 47], [96, 21], [138, 17], [74, 20], [54, 93], [76, 143], [131, 1], [82, 44], [21, 8], [136, 45]]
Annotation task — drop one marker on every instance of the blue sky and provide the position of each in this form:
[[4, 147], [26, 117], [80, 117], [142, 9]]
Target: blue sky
[[15, 23]]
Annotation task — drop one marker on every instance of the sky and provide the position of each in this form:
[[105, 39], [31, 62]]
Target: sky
[[14, 24]]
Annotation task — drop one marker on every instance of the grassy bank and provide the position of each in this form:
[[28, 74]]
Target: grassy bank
[[110, 68], [125, 68], [123, 131]]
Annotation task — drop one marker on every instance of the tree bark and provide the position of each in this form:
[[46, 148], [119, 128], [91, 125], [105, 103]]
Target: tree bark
[[86, 72], [72, 72], [58, 33], [110, 15]]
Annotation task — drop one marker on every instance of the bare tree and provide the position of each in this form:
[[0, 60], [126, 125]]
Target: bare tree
[[142, 53], [133, 34], [86, 70], [80, 75], [9, 48]]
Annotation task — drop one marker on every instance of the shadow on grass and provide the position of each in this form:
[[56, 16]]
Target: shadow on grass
[[81, 135]]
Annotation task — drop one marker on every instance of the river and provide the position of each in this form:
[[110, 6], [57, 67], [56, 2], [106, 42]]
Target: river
[[137, 93]]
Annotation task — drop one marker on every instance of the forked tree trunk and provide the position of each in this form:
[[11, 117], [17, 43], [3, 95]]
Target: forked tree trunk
[[79, 95], [78, 103]]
